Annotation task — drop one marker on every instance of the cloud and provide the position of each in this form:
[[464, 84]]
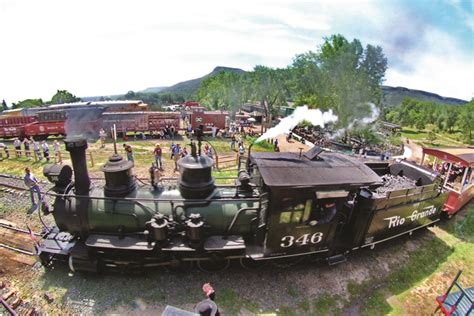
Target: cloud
[[440, 68], [109, 47]]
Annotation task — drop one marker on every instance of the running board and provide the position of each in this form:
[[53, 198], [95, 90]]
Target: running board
[[336, 259]]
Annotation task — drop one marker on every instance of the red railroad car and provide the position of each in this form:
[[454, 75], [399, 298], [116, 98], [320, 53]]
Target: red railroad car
[[14, 126], [140, 121], [208, 119]]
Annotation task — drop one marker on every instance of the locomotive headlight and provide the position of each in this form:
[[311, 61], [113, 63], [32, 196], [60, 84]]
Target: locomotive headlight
[[59, 175]]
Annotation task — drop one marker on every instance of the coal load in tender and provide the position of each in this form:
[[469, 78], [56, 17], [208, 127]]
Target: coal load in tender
[[394, 183]]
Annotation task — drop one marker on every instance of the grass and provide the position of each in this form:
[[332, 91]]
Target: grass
[[441, 139], [327, 304], [428, 271], [143, 155]]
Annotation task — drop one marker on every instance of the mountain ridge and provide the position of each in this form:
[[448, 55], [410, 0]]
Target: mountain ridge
[[392, 96]]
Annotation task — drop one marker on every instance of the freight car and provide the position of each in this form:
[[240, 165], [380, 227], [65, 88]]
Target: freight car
[[284, 206], [140, 121], [199, 118]]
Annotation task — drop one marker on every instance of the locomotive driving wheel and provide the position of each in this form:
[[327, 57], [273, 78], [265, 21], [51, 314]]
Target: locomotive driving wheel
[[217, 262]]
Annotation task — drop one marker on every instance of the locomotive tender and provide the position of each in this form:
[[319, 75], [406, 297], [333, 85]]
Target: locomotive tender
[[273, 212]]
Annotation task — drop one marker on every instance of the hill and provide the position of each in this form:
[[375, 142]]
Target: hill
[[393, 96], [153, 90], [190, 86]]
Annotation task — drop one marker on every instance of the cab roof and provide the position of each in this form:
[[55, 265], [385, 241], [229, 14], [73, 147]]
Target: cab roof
[[326, 169]]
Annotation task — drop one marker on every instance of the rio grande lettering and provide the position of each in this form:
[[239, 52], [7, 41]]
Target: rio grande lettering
[[395, 221]]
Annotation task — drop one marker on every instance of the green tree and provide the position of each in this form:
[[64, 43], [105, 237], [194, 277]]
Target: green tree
[[269, 86], [28, 103], [4, 105], [64, 96], [466, 121], [451, 119]]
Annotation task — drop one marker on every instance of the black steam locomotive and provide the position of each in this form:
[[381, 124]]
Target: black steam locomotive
[[283, 206]]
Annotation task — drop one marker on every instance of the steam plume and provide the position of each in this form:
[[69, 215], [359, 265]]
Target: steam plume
[[361, 122], [302, 113]]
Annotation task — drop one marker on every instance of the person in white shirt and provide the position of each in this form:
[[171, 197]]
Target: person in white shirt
[[17, 145], [36, 149], [57, 152], [45, 147]]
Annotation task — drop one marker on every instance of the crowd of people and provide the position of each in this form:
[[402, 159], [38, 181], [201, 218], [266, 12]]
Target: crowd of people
[[30, 148]]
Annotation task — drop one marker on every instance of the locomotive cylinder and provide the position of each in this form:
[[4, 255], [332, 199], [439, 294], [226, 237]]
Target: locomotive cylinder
[[77, 148], [194, 227], [158, 228]]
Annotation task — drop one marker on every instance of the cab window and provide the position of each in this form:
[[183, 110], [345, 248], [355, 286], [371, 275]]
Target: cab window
[[295, 211]]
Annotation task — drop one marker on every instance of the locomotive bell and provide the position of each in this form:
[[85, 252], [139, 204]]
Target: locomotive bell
[[119, 180], [195, 181]]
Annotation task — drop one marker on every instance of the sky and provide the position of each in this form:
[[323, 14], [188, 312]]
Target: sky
[[106, 47]]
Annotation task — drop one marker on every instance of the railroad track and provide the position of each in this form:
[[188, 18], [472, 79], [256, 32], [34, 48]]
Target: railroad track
[[12, 303], [15, 245]]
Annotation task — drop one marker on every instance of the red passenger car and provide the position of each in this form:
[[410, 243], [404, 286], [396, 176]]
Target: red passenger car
[[456, 165]]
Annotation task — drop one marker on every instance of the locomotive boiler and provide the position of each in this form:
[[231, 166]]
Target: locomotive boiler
[[274, 211]]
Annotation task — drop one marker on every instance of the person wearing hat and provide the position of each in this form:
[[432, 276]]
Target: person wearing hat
[[32, 183], [207, 306], [128, 149]]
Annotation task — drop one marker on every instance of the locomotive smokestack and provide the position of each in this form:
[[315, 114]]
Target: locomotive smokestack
[[77, 149]]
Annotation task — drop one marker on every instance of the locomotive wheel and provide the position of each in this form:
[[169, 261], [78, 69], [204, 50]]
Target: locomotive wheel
[[177, 265], [250, 264], [287, 262], [77, 264], [216, 263]]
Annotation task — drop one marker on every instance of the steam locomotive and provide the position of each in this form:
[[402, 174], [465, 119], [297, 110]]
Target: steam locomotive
[[270, 214]]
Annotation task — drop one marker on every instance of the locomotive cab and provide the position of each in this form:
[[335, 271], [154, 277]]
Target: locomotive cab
[[311, 198]]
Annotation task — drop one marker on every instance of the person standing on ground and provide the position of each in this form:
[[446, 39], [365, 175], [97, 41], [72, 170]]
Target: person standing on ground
[[158, 153], [45, 147], [128, 149], [17, 145], [32, 183], [207, 306], [36, 149], [102, 136], [241, 149], [56, 148], [232, 142], [26, 144], [176, 156]]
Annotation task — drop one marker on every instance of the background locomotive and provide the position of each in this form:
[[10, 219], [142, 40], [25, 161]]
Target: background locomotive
[[272, 212]]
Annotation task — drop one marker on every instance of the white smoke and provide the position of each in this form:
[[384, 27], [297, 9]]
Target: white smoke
[[374, 115], [302, 113]]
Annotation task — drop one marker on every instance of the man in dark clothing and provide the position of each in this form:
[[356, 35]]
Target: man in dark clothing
[[207, 307], [324, 213]]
